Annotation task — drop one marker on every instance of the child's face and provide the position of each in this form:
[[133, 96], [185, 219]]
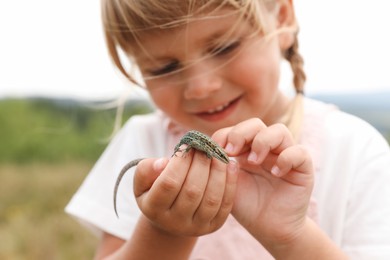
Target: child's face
[[207, 89]]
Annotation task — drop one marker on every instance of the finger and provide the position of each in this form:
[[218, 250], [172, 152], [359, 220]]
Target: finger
[[146, 173], [236, 138], [213, 193], [167, 186], [194, 186], [294, 164], [220, 136], [273, 139], [229, 195], [264, 167]]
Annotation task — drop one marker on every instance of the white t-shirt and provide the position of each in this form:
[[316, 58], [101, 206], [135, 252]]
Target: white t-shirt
[[350, 201]]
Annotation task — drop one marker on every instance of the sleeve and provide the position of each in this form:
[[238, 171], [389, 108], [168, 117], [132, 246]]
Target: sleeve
[[356, 210], [367, 223], [92, 204]]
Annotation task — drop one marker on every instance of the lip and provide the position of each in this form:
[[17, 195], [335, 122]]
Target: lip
[[222, 114]]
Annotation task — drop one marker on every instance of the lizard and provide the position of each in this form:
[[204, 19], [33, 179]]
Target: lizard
[[194, 140]]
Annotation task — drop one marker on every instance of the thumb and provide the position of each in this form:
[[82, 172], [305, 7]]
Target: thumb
[[146, 173]]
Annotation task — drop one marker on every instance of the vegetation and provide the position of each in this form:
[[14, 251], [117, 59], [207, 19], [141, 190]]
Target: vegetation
[[33, 224], [46, 149], [56, 130]]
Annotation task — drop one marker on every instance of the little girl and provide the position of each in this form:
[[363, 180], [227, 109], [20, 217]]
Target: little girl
[[305, 181]]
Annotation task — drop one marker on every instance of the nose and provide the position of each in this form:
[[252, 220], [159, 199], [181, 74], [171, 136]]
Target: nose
[[201, 81]]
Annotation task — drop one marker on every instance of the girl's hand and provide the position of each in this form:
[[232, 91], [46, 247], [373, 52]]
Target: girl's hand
[[186, 195], [275, 180]]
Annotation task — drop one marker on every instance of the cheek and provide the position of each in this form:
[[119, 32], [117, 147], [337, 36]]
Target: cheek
[[262, 72], [158, 97], [259, 64], [166, 100]]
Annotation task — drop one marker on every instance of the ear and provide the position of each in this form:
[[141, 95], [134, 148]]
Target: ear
[[287, 23]]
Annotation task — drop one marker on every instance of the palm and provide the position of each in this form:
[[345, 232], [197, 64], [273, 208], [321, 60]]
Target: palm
[[267, 201]]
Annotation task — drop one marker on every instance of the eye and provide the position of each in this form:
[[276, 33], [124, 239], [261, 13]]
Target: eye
[[166, 69], [225, 49]]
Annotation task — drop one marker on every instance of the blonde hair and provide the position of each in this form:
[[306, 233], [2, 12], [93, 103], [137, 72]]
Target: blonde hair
[[125, 20]]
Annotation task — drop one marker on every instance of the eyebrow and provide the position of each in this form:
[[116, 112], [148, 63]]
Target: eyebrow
[[223, 32], [143, 57]]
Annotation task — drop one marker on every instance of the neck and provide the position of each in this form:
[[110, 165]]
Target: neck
[[279, 110]]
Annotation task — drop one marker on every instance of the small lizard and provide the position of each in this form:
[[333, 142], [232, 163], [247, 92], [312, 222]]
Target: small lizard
[[193, 139]]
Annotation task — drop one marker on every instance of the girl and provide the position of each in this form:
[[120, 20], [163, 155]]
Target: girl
[[305, 180]]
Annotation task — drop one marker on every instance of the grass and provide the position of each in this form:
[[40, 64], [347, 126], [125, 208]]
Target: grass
[[47, 147], [33, 224]]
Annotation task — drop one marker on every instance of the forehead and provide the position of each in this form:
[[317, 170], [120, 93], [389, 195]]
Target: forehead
[[199, 32]]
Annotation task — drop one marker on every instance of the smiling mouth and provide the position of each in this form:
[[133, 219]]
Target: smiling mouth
[[220, 108]]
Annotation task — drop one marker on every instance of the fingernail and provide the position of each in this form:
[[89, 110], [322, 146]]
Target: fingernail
[[159, 164], [229, 148], [275, 171], [252, 157]]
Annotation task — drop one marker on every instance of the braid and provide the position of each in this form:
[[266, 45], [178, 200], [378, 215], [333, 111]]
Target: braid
[[294, 116], [296, 62]]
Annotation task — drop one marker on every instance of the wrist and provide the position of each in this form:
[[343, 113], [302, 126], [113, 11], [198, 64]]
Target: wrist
[[309, 243], [151, 242], [156, 232]]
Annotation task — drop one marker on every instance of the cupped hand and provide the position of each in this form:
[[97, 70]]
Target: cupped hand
[[275, 179], [189, 194]]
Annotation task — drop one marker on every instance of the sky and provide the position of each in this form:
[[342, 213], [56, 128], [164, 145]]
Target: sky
[[56, 49]]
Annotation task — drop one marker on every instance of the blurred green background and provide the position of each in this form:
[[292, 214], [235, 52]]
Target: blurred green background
[[47, 147]]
